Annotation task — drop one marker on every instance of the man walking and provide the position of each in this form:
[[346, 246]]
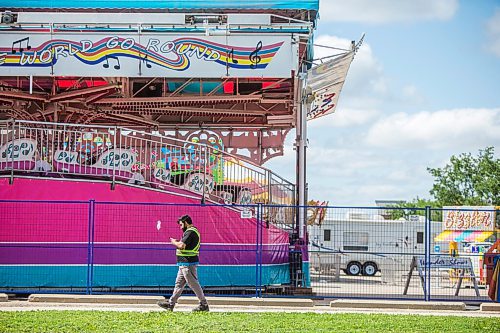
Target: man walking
[[187, 260]]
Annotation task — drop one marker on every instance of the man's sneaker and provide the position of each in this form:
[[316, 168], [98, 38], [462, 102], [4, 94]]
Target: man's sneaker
[[166, 305], [201, 307]]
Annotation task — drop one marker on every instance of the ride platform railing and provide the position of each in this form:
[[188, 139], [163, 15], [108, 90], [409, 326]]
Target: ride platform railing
[[123, 155]]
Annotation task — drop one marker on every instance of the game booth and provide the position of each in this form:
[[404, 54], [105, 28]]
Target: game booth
[[470, 232]]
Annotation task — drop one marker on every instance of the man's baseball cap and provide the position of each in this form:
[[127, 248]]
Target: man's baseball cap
[[185, 218]]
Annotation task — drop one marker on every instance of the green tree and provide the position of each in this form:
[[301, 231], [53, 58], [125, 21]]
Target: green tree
[[415, 207], [468, 180]]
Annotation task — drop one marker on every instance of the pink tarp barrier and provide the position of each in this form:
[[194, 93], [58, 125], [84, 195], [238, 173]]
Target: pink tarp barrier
[[123, 215]]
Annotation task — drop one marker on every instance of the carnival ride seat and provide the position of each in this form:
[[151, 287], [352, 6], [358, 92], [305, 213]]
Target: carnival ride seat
[[233, 193], [184, 179], [161, 179], [18, 154], [115, 162]]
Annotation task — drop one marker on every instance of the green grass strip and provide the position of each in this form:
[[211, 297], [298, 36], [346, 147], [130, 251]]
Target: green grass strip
[[107, 321]]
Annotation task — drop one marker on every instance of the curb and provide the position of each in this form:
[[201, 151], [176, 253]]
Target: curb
[[492, 307], [234, 301], [114, 299], [396, 304], [128, 299]]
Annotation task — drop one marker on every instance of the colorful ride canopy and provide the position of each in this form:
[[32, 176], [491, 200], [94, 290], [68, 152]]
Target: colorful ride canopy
[[240, 41], [162, 4], [229, 66]]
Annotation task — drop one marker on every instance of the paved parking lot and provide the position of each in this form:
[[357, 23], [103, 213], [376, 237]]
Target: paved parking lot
[[330, 284]]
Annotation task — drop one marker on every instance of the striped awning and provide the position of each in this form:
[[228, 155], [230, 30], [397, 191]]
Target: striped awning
[[463, 236]]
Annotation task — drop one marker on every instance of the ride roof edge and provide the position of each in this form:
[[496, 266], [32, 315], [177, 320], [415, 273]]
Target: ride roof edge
[[159, 4]]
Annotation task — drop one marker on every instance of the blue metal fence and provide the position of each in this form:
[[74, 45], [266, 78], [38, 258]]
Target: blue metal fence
[[91, 247], [112, 247], [396, 253]]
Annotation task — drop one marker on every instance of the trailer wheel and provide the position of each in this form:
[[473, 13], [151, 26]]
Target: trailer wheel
[[353, 268], [370, 268]]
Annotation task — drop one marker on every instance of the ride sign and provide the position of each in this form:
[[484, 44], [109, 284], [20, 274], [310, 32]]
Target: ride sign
[[130, 54]]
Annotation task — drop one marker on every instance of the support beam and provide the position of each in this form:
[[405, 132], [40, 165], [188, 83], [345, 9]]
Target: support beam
[[70, 95], [228, 112], [23, 96], [181, 87], [144, 86], [93, 99], [301, 146], [134, 119], [186, 99]]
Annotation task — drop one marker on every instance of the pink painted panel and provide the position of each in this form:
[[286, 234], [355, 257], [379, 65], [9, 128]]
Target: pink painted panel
[[40, 222], [131, 215], [92, 170], [68, 190], [17, 165]]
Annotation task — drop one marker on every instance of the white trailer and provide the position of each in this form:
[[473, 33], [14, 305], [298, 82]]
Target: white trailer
[[364, 246]]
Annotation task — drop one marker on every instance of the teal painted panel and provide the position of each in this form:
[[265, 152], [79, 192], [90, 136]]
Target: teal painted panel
[[43, 276], [194, 88], [276, 274], [307, 274], [209, 276], [136, 276]]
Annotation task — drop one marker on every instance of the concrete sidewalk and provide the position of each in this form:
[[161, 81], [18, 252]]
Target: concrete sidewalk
[[234, 304], [31, 306], [189, 300]]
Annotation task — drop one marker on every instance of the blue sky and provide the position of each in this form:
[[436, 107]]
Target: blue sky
[[424, 86]]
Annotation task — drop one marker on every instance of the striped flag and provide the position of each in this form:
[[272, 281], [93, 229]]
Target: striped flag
[[326, 82]]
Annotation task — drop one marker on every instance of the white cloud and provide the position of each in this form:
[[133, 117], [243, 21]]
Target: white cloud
[[360, 176], [465, 128], [387, 11], [365, 151], [367, 87], [380, 85], [340, 161], [381, 191], [347, 167], [330, 42], [364, 59], [399, 175], [365, 77], [345, 117], [493, 28], [410, 93]]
